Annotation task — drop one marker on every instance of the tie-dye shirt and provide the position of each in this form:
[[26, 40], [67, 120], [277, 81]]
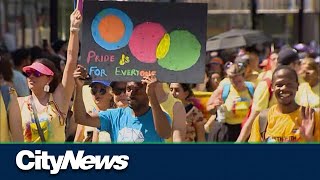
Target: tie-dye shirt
[[51, 122]]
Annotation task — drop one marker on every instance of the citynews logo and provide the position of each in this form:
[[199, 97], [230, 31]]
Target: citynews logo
[[40, 160]]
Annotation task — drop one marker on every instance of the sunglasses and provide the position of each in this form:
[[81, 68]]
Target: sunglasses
[[101, 91], [118, 91], [229, 63], [34, 73]]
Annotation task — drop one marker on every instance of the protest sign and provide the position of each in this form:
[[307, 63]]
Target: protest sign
[[123, 41]]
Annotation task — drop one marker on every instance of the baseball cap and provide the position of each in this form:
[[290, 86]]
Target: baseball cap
[[287, 56], [40, 68], [105, 83]]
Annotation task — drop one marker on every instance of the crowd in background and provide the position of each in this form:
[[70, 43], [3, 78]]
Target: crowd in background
[[269, 94]]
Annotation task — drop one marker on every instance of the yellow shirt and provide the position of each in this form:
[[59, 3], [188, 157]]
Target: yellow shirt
[[224, 82], [265, 74], [52, 124], [283, 127], [307, 96], [261, 97], [253, 77], [4, 125], [237, 105]]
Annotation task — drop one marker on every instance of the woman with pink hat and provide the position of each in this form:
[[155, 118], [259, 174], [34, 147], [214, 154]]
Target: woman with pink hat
[[44, 111]]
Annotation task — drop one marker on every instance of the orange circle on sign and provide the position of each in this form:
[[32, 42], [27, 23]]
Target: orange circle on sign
[[111, 28]]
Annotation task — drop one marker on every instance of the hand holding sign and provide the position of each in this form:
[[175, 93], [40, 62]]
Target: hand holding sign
[[151, 82], [75, 20], [79, 75]]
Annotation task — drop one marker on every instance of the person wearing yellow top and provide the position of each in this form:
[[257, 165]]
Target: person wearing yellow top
[[286, 121], [231, 109], [176, 111], [309, 92], [251, 73], [262, 98], [50, 97], [10, 116]]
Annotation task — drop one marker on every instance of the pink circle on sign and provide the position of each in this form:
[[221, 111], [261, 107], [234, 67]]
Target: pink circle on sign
[[144, 41]]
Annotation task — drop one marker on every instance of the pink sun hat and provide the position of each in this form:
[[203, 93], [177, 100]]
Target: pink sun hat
[[38, 67]]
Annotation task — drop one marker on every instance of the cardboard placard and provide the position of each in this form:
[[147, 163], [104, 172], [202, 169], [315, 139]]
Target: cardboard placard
[[123, 41]]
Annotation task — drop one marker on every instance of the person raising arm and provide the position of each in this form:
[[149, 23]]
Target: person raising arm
[[137, 123]]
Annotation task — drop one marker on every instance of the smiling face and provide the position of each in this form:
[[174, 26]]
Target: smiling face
[[285, 85]]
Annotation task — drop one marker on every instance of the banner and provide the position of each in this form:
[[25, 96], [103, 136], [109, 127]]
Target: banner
[[123, 41], [160, 161]]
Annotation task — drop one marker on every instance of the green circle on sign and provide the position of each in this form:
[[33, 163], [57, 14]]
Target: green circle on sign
[[183, 53]]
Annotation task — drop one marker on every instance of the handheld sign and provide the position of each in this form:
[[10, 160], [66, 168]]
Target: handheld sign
[[78, 4], [123, 41]]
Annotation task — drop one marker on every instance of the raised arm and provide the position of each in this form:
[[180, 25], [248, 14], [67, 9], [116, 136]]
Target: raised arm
[[80, 114], [63, 93], [215, 100], [160, 120], [179, 123], [246, 129]]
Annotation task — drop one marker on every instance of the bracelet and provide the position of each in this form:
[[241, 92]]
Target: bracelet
[[74, 29]]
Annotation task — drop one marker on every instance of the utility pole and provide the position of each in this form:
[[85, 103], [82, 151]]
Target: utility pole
[[53, 20], [300, 21], [253, 12]]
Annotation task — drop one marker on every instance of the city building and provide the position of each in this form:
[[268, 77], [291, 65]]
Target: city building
[[29, 22]]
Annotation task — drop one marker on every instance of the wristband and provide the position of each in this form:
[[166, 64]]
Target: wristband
[[74, 29]]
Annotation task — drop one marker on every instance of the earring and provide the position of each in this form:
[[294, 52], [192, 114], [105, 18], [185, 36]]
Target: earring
[[46, 88]]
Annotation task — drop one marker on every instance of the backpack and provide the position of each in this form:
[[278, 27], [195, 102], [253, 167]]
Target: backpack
[[226, 90], [5, 96], [263, 123], [269, 84]]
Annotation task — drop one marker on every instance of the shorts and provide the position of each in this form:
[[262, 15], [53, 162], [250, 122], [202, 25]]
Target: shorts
[[223, 132]]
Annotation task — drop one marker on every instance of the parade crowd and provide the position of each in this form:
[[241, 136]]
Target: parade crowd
[[47, 96]]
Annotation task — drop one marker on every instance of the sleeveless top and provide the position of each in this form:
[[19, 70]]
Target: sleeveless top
[[167, 106], [51, 120], [237, 105]]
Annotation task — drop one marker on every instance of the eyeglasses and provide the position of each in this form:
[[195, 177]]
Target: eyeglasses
[[101, 91], [34, 73], [118, 91], [229, 63]]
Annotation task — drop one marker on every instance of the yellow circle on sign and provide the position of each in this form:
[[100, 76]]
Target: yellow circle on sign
[[163, 47]]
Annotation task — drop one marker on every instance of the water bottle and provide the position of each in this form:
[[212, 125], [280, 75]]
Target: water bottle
[[221, 114]]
